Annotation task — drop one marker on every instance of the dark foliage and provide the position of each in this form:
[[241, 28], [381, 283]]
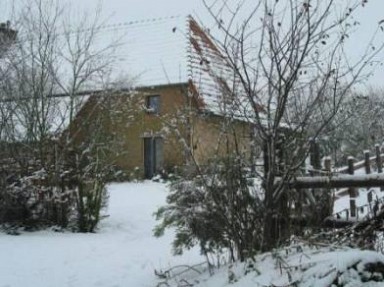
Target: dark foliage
[[221, 209]]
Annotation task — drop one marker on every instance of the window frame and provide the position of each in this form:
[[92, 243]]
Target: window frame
[[151, 106]]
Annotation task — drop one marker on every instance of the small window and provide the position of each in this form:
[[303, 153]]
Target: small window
[[153, 104]]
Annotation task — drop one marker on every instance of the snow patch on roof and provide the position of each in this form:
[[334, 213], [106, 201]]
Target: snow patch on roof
[[153, 51]]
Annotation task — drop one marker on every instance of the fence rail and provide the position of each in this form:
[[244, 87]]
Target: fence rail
[[323, 176]]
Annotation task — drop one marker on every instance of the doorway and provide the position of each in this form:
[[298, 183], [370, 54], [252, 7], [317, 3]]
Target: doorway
[[153, 156]]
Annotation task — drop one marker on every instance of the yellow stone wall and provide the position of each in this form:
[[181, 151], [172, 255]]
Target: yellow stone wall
[[122, 117]]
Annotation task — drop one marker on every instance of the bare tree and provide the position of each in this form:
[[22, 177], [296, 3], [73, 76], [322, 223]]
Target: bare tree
[[356, 128], [291, 72], [46, 77]]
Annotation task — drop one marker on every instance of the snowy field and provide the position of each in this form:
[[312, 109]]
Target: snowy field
[[122, 253]]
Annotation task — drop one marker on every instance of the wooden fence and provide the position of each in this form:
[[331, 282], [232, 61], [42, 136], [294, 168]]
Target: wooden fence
[[347, 180]]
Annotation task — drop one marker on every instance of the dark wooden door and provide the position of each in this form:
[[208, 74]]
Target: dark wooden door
[[153, 156]]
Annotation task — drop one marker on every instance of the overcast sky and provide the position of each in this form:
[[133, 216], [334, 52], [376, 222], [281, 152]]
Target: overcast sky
[[117, 11], [128, 10], [137, 9]]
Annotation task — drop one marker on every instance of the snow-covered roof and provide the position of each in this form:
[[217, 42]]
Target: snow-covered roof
[[208, 69], [177, 49], [218, 87], [153, 51]]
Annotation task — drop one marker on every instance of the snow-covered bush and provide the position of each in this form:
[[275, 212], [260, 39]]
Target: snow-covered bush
[[22, 201], [44, 198], [34, 201], [220, 210], [91, 198]]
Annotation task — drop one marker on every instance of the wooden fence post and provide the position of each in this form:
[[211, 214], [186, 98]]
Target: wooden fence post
[[314, 156], [379, 162], [367, 162], [351, 190], [352, 204], [367, 165], [327, 165], [330, 197], [369, 196]]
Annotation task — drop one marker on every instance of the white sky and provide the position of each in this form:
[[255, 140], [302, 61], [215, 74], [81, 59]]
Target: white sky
[[128, 10], [116, 11]]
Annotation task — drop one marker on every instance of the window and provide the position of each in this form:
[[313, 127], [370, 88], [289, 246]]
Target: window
[[153, 104]]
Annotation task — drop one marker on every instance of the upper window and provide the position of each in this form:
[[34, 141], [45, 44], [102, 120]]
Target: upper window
[[153, 104]]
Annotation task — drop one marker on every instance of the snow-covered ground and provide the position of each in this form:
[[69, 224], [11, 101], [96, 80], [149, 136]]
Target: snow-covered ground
[[364, 207], [303, 267], [122, 253], [125, 253]]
